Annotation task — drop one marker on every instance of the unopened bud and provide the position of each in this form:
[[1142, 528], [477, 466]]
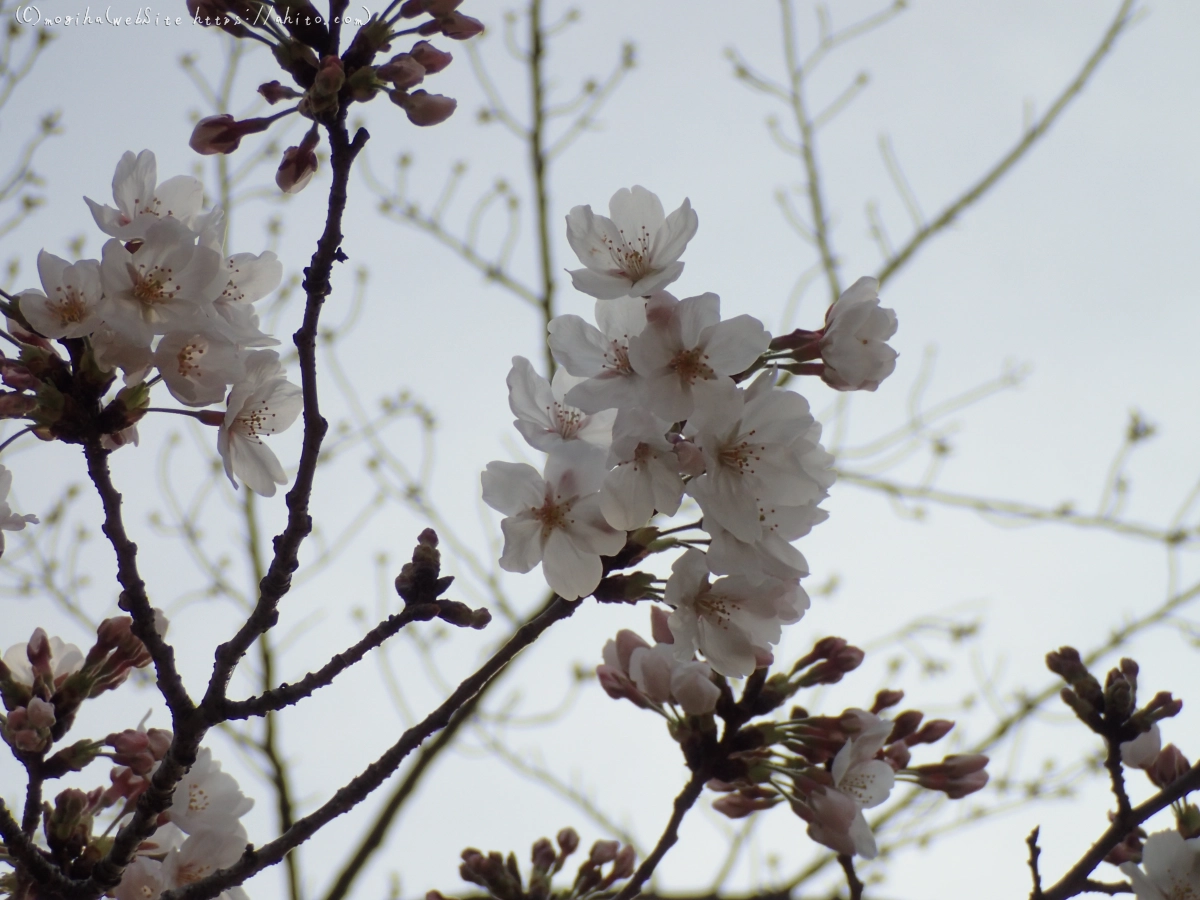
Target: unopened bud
[[274, 92], [458, 27], [41, 713], [623, 864], [330, 77], [403, 71], [905, 724], [424, 108], [1187, 821], [1118, 697], [223, 133], [604, 852], [738, 805], [1170, 766], [299, 164], [543, 855], [886, 699], [930, 733], [432, 59], [568, 841]]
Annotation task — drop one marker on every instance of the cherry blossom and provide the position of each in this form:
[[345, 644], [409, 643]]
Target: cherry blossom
[[1171, 867], [70, 306], [664, 678], [636, 252], [758, 445], [772, 555], [731, 621], [10, 521], [262, 402], [860, 778], [543, 417], [685, 344], [242, 280], [65, 659], [555, 520], [142, 201], [161, 285], [853, 344], [1143, 750], [646, 474], [601, 355], [207, 799], [197, 367], [201, 855]]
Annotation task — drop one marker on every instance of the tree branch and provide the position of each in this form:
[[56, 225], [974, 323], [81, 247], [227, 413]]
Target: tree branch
[[684, 802]]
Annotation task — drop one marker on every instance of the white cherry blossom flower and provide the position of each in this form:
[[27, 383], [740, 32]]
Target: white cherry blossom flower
[[65, 659], [202, 854], [664, 678], [601, 355], [1171, 868], [142, 201], [244, 279], [1143, 750], [161, 285], [555, 520], [759, 448], [544, 419], [732, 622], [853, 343], [646, 477], [208, 800], [70, 306], [263, 402], [142, 879], [635, 252], [685, 344], [127, 348], [772, 555], [9, 520], [197, 367]]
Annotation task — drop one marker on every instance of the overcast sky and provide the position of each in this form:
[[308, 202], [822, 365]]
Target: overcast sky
[[1077, 268]]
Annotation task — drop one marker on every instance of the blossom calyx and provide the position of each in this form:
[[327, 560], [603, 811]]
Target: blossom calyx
[[420, 581], [273, 92], [299, 164], [626, 588]]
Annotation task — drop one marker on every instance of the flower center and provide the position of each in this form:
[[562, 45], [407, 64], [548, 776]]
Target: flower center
[[567, 420], [717, 608], [632, 258], [690, 366], [554, 513], [255, 419], [70, 308], [740, 456], [617, 358], [189, 360], [152, 287]]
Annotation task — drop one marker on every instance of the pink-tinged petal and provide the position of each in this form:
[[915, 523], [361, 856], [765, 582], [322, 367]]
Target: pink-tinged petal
[[512, 488], [134, 181], [578, 346], [599, 284], [574, 469], [869, 783], [650, 670], [728, 650], [586, 233], [655, 280], [1143, 887], [695, 315], [679, 228], [635, 209], [694, 690], [257, 466], [624, 498], [571, 572], [607, 391], [522, 544], [181, 197], [590, 531], [864, 840], [727, 500], [732, 346], [529, 395], [665, 485], [719, 404], [621, 318], [666, 396]]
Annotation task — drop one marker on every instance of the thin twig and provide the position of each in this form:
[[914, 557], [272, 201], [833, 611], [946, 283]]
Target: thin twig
[[852, 883], [684, 802]]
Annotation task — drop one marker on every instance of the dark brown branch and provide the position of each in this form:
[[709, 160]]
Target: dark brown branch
[[685, 801], [364, 784], [133, 589], [33, 798], [1076, 880], [1031, 136], [289, 694], [538, 161], [317, 287], [1107, 887], [852, 883], [1112, 762], [1034, 853]]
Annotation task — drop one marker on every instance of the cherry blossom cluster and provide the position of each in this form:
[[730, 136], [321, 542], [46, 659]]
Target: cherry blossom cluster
[[163, 304], [326, 82], [606, 866], [43, 683], [828, 769], [660, 399]]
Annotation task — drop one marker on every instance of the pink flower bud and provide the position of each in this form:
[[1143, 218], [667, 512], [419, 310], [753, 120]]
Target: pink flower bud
[[298, 167], [38, 652], [1170, 766], [905, 724], [432, 59], [458, 27], [659, 629], [568, 841], [424, 108], [897, 755], [886, 699], [330, 77], [691, 460], [543, 855], [273, 92], [628, 641], [623, 864], [738, 806], [41, 713], [412, 8], [403, 71], [604, 852], [17, 376], [932, 732], [441, 7], [223, 133], [158, 742]]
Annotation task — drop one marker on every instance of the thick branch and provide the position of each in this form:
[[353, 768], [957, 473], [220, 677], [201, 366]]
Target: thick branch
[[852, 883], [21, 848], [1076, 880], [364, 784]]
